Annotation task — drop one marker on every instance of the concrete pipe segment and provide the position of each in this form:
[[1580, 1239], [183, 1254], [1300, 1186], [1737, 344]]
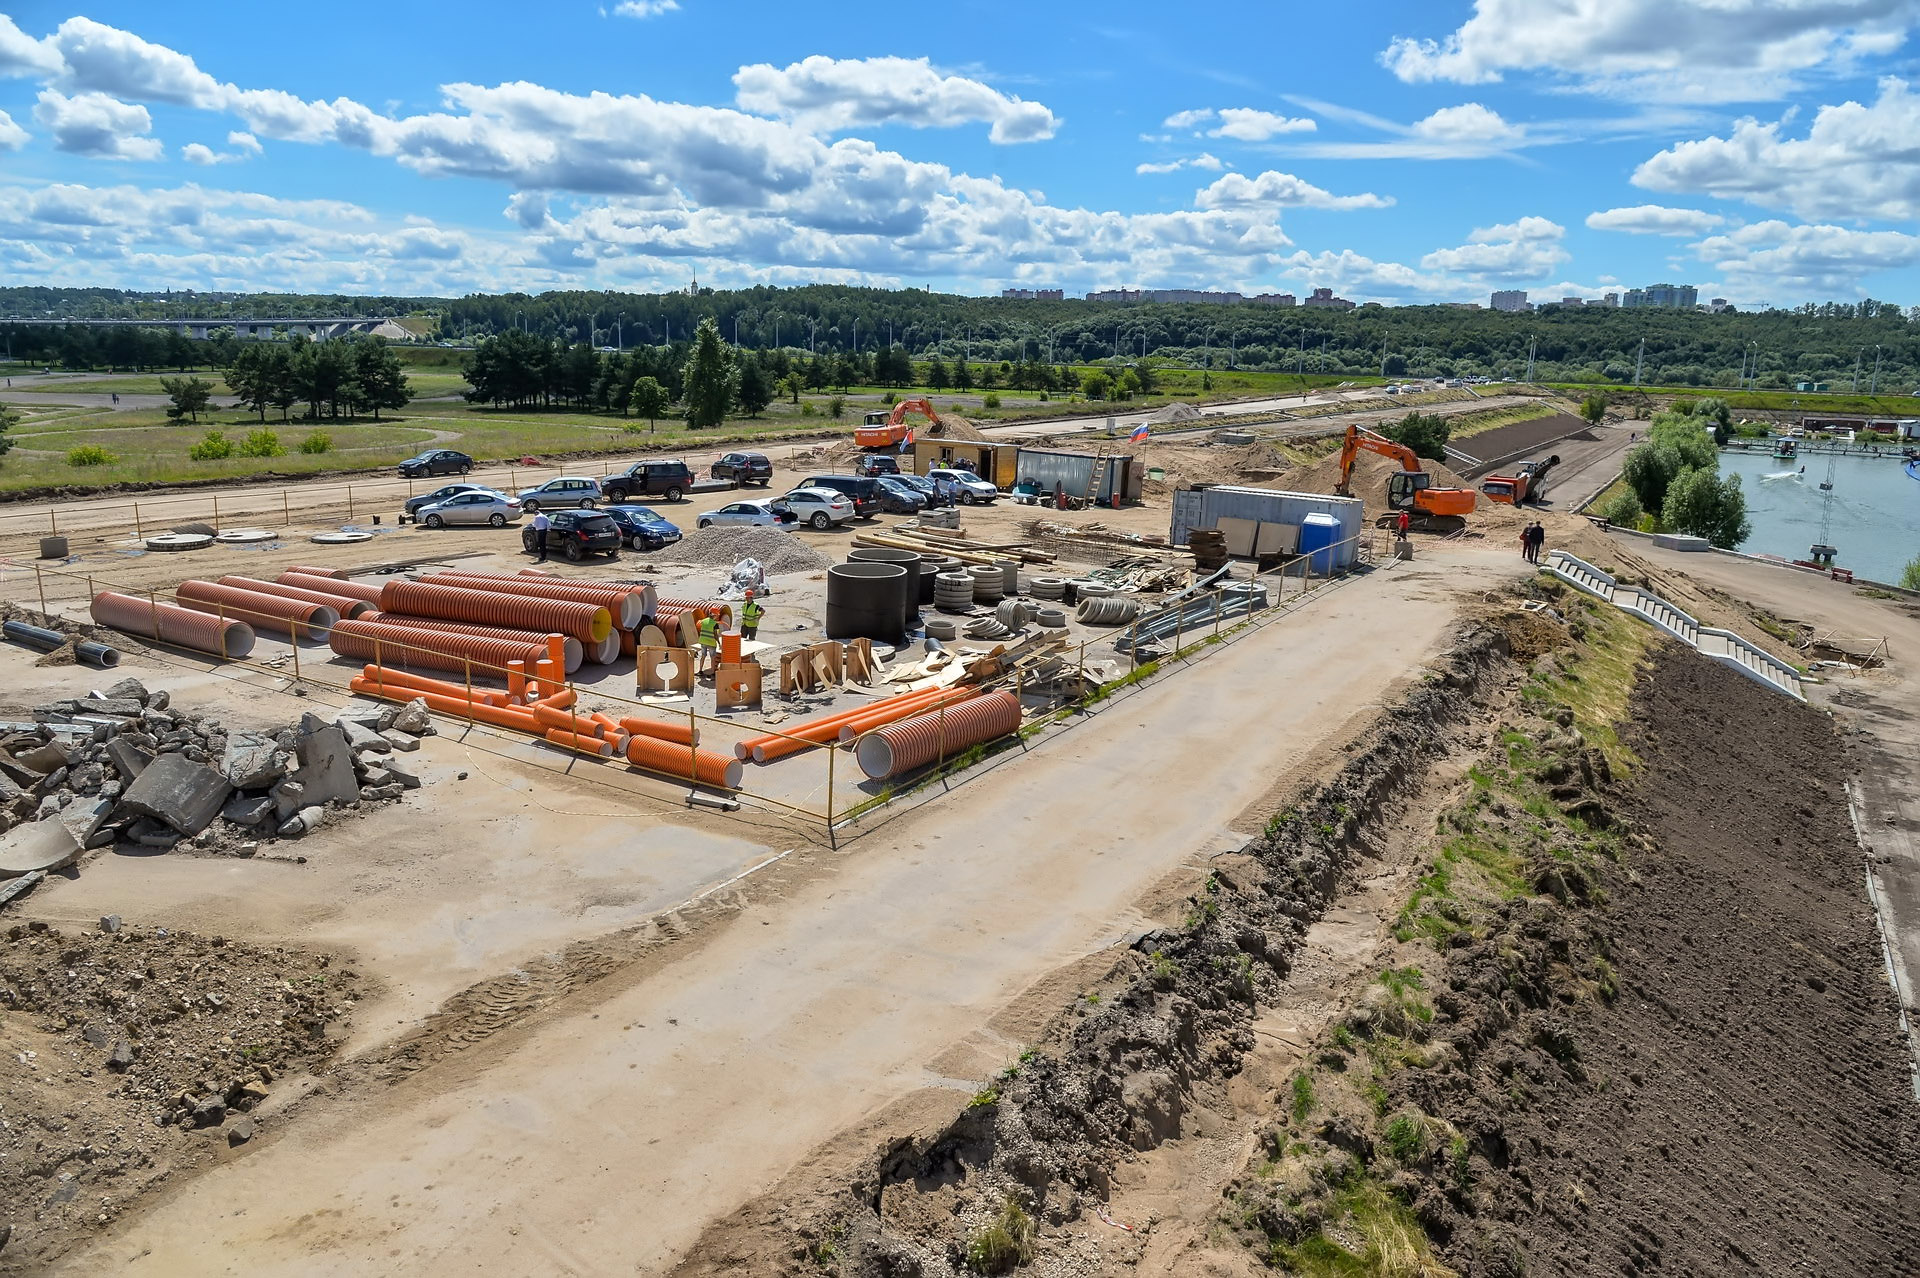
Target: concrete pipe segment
[[953, 590], [182, 626], [405, 648], [574, 653], [293, 617], [988, 582], [1010, 577], [867, 599], [331, 586], [1108, 610], [589, 623], [622, 602], [1044, 587], [1051, 618], [346, 605], [906, 559], [928, 738]]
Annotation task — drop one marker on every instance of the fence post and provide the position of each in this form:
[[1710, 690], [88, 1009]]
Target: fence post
[[53, 522], [349, 503], [1179, 627], [286, 515], [138, 531], [1219, 602], [216, 510], [296, 658], [1133, 647], [40, 584], [469, 664], [693, 745]]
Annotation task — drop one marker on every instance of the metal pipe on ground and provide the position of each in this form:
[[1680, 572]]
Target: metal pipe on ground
[[589, 623], [185, 627], [40, 639], [931, 737], [292, 617], [347, 606]]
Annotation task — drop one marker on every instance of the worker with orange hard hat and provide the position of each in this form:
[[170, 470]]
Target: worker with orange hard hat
[[750, 614]]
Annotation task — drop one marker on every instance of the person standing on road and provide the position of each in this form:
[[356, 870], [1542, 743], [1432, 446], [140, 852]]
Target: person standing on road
[[750, 614], [540, 525], [116, 398], [709, 637], [1539, 539], [1526, 543]]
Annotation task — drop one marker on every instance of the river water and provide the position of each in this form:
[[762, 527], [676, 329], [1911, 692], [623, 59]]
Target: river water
[[1875, 509]]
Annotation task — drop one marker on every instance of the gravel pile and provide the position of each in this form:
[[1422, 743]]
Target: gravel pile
[[777, 551]]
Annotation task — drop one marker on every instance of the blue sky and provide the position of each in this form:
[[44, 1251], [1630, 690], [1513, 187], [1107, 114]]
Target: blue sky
[[1761, 149]]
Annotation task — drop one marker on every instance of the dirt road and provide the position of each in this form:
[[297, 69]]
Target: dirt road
[[604, 1140]]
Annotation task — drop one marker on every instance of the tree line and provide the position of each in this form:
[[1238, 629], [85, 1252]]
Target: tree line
[[1673, 478]]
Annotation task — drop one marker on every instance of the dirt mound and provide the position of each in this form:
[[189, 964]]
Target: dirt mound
[[1175, 412], [954, 426], [124, 1047], [777, 551], [1188, 462]]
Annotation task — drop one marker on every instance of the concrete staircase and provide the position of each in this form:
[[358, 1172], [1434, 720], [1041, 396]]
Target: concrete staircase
[[1723, 646]]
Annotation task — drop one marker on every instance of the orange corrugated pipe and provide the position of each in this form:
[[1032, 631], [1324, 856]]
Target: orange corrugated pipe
[[648, 596], [292, 617], [316, 572], [886, 712], [662, 729], [346, 605], [911, 743], [820, 731], [170, 624], [459, 707], [717, 607], [594, 746], [704, 766], [627, 610], [331, 586], [576, 651], [440, 687], [589, 623], [427, 650]]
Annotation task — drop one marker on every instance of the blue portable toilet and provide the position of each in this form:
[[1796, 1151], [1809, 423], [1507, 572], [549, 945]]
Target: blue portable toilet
[[1318, 534]]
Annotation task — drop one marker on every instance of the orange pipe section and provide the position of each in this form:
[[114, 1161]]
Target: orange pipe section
[[548, 675], [517, 681], [661, 730], [553, 718], [589, 623], [886, 713], [585, 745], [499, 716], [819, 731], [331, 586], [402, 679], [704, 766]]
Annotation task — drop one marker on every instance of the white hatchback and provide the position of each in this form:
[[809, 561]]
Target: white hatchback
[[820, 507]]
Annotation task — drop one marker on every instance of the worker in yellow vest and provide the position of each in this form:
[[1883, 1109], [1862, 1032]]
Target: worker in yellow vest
[[709, 633], [750, 614]]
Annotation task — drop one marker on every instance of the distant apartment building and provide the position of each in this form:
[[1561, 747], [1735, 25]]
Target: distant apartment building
[[1611, 299], [1201, 296], [1509, 299], [1035, 294], [1275, 299], [1719, 305], [1322, 299], [1682, 296]]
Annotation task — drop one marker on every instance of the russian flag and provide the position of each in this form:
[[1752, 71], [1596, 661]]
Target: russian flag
[[1140, 432]]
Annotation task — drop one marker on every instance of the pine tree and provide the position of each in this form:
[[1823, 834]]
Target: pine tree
[[710, 377]]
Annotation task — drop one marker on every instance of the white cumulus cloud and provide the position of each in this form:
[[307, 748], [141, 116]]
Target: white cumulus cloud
[[829, 95], [1245, 124], [1278, 190], [1527, 249], [1200, 161], [1654, 219], [1668, 50], [645, 8], [96, 125], [1470, 123], [1771, 258], [12, 136]]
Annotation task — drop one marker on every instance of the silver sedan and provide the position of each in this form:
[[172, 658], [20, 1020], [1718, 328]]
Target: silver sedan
[[471, 509]]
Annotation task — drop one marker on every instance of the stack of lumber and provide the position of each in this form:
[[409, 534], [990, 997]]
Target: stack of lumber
[[1209, 547]]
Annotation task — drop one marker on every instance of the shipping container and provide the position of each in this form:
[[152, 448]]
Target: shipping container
[[1209, 506], [1095, 477]]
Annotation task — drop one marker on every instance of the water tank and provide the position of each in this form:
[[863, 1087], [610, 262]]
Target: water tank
[[1318, 534], [910, 560], [867, 599]]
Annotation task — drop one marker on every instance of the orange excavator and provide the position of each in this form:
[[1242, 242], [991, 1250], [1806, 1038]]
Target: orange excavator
[[1431, 509], [886, 430]]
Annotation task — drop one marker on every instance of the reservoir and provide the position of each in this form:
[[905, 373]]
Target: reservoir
[[1875, 510]]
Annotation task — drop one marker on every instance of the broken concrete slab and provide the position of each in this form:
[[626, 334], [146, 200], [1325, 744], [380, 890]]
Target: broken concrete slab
[[117, 707], [125, 689], [399, 740], [253, 762], [45, 758], [37, 845], [403, 772], [326, 772], [128, 759], [305, 821], [17, 888], [186, 796], [248, 811], [362, 738], [413, 718], [86, 819]]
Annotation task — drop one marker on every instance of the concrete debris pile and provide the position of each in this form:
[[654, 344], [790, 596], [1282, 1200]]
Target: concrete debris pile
[[126, 765], [129, 1039]]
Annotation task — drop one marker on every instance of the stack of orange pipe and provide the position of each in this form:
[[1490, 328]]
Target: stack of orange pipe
[[825, 729]]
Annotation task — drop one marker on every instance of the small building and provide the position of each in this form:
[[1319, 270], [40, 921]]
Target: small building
[[986, 459], [1095, 477], [1266, 518]]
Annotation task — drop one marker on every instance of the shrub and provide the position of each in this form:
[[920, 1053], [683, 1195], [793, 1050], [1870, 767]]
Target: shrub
[[990, 400], [89, 455], [316, 442], [836, 406], [1623, 510], [1406, 1136], [261, 443], [1910, 575], [1007, 1241], [215, 447], [806, 408]]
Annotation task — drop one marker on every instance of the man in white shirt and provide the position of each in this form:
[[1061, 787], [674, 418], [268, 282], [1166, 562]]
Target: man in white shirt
[[540, 525]]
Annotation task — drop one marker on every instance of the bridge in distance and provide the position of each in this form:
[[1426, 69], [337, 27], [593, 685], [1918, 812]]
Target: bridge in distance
[[385, 326]]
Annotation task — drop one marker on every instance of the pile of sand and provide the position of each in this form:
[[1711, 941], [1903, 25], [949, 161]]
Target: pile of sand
[[954, 426], [1176, 412], [723, 547]]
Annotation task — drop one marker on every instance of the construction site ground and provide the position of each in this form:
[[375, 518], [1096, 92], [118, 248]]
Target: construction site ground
[[597, 1026]]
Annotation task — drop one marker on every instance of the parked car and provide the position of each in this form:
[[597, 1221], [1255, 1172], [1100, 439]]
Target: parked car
[[863, 493], [561, 494], [897, 498], [576, 534], [919, 483], [744, 468], [821, 507], [642, 527], [973, 489], [440, 494], [874, 465], [436, 461], [470, 508], [765, 513], [669, 479]]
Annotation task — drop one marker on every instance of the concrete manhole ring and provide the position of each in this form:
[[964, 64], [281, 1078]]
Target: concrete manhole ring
[[244, 536], [340, 538], [179, 541]]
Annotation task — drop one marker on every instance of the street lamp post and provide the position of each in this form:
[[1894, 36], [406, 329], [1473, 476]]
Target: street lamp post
[[1876, 370]]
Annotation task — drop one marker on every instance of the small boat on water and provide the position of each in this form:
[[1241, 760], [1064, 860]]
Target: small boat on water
[[1786, 449]]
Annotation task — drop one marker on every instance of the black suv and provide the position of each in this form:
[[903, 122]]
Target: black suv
[[576, 534], [874, 465], [744, 468], [863, 493], [669, 479], [438, 461]]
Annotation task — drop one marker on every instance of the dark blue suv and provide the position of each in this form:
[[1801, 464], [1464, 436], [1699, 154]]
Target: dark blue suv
[[641, 528]]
